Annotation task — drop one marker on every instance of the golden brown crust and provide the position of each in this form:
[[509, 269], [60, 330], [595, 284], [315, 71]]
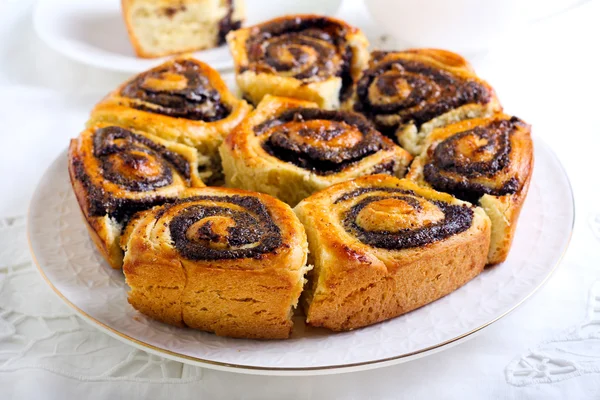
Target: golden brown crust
[[443, 58], [98, 228], [356, 280], [238, 269], [502, 148], [343, 49], [504, 212], [100, 181], [225, 111], [251, 161], [197, 274], [422, 89], [139, 51]]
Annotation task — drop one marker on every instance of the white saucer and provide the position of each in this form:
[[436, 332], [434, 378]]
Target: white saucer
[[93, 32]]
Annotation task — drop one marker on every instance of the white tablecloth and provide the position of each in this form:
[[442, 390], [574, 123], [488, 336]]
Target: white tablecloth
[[549, 348]]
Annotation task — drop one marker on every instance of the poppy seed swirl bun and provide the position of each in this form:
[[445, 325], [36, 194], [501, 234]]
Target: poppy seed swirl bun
[[486, 161], [178, 90], [290, 149], [308, 57], [223, 260], [383, 246], [408, 93]]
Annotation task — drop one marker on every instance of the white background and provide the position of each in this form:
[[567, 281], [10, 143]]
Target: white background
[[548, 74]]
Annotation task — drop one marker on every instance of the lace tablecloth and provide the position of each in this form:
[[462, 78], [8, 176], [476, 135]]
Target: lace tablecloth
[[548, 348]]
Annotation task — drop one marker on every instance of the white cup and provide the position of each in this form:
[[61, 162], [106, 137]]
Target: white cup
[[463, 26]]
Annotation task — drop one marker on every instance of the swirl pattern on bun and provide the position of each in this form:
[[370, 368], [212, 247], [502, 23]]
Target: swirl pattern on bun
[[224, 260], [319, 140], [136, 163], [408, 93], [404, 229], [289, 149], [180, 90], [303, 48], [382, 246], [219, 228]]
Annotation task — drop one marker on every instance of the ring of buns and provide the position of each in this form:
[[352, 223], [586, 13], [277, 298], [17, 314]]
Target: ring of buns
[[406, 180]]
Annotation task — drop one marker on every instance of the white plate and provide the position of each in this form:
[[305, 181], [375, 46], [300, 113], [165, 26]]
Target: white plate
[[93, 32], [67, 259]]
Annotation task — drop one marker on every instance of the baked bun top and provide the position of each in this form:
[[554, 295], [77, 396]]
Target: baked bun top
[[476, 157], [322, 142], [309, 48], [123, 171], [222, 228], [416, 86], [379, 217]]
